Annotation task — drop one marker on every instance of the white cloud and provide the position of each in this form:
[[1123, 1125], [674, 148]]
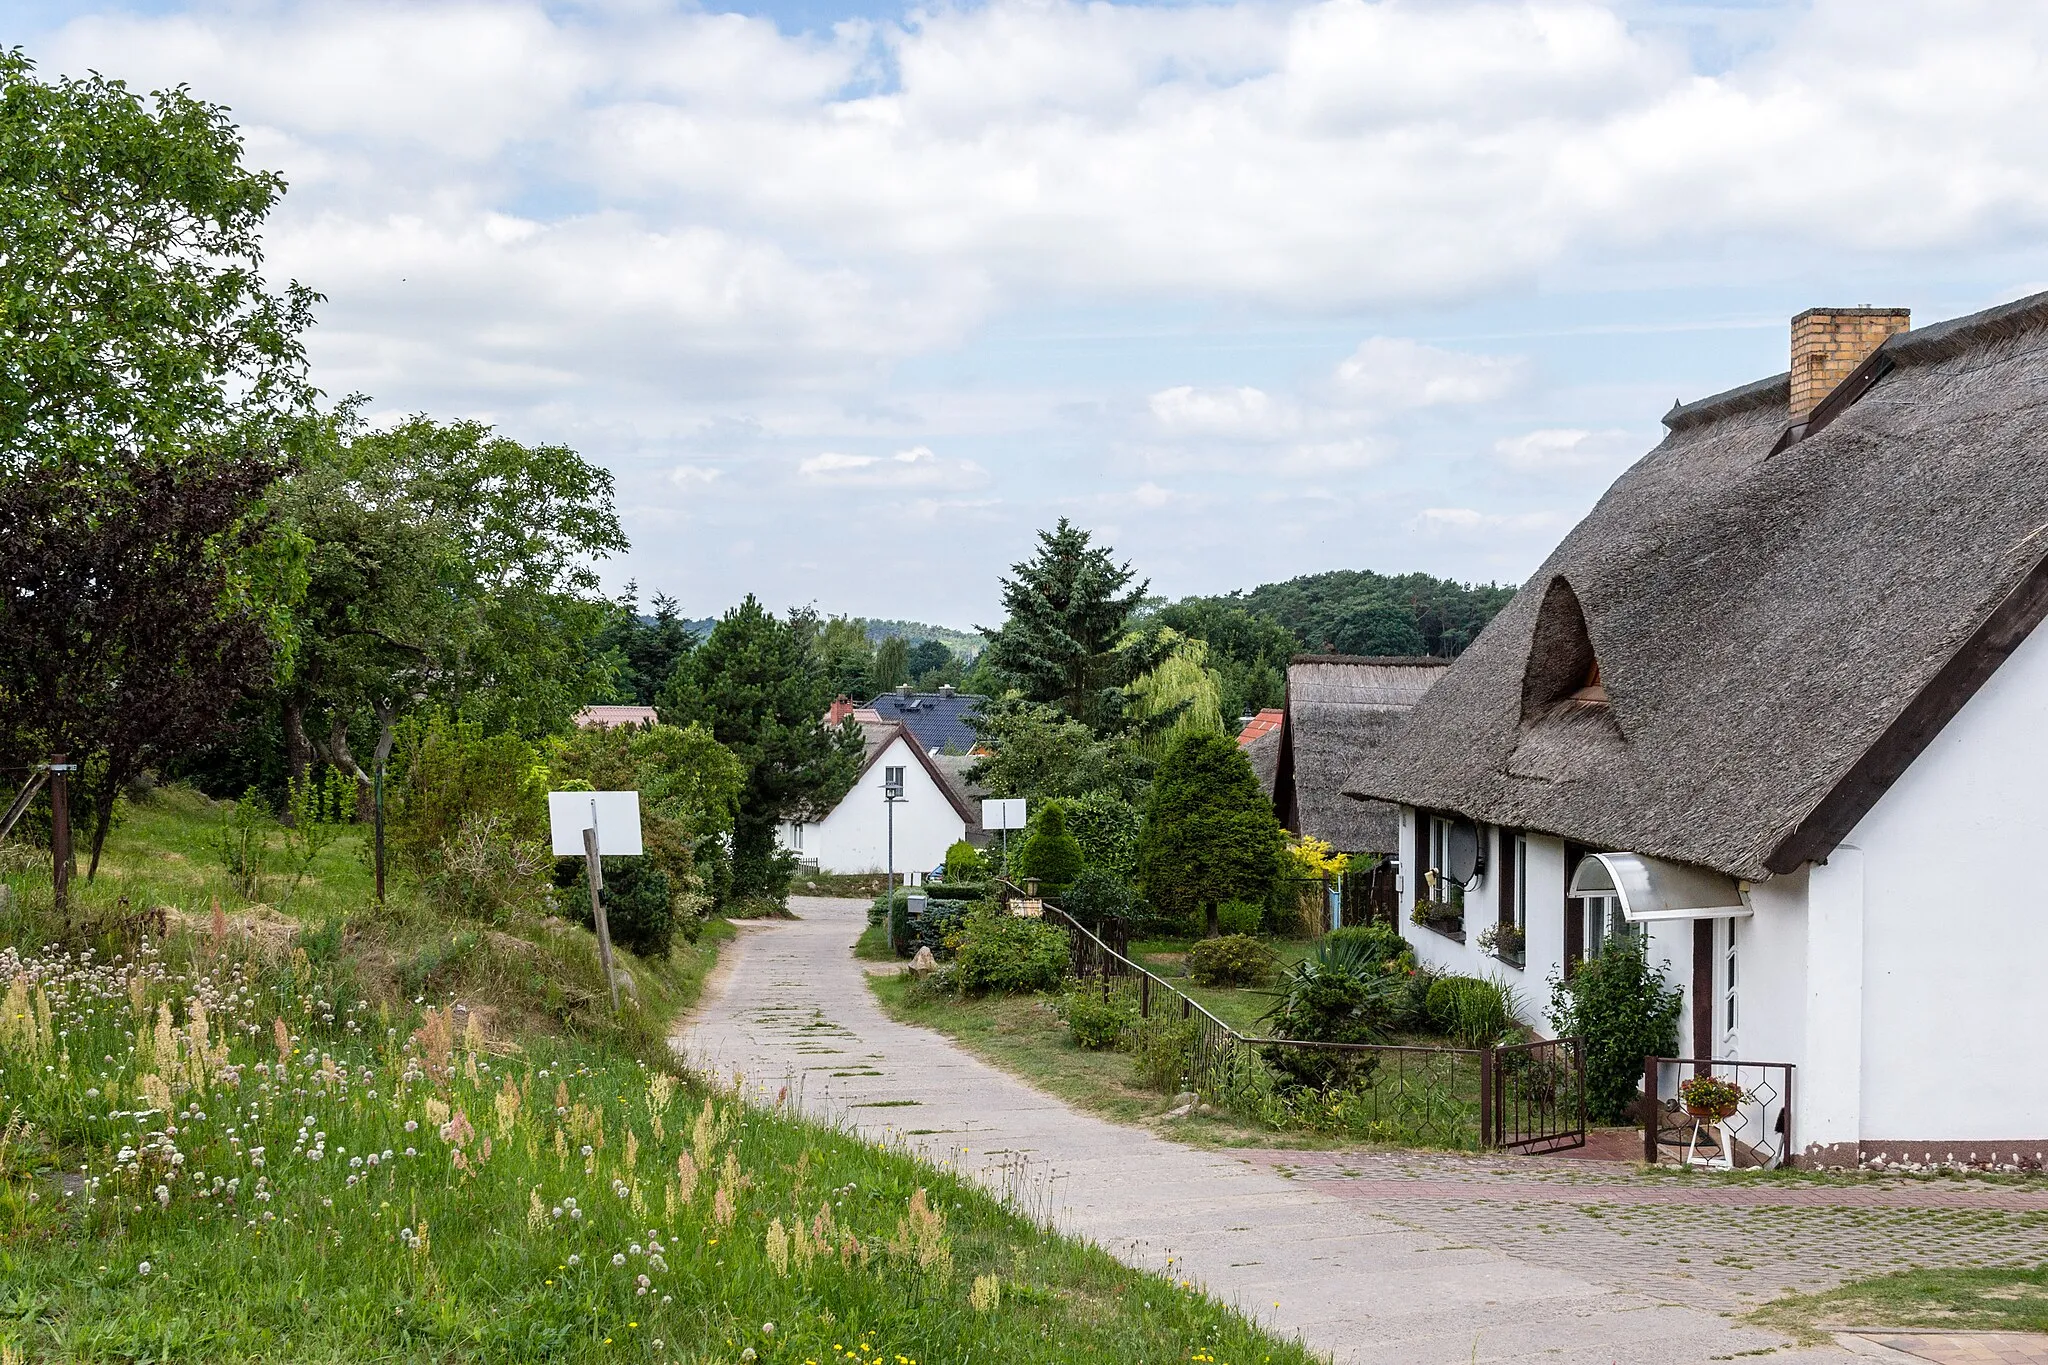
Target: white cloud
[[916, 467], [1564, 448], [1241, 413], [1397, 372], [686, 475]]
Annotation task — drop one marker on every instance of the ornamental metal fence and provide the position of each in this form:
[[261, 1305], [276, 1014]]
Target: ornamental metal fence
[[1526, 1097], [1756, 1133]]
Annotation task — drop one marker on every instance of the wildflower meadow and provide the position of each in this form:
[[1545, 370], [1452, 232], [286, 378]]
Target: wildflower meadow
[[215, 1153]]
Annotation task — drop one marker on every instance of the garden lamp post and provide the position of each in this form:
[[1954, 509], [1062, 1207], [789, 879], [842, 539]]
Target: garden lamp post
[[892, 792]]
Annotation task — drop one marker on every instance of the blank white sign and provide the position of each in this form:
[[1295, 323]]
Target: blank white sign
[[1007, 813], [615, 816]]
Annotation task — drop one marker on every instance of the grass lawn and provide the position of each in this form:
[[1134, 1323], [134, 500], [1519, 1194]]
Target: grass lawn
[[1999, 1300], [262, 1141], [1023, 1036]]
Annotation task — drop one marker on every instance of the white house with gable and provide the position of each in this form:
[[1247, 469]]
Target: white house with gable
[[1779, 704], [933, 814]]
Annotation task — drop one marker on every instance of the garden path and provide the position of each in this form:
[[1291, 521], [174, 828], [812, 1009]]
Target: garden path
[[789, 1008]]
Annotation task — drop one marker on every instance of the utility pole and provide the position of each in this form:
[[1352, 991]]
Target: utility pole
[[892, 792]]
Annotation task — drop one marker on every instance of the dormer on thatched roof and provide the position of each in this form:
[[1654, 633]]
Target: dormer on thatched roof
[[1779, 617], [1340, 709]]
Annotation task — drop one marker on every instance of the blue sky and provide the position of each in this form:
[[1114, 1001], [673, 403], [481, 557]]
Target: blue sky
[[851, 299]]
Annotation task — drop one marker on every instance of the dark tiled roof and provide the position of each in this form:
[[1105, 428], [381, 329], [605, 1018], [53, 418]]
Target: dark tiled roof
[[1780, 625], [937, 719]]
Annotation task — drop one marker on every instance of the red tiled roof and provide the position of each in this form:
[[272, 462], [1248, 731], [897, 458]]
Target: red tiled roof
[[1264, 723], [604, 717]]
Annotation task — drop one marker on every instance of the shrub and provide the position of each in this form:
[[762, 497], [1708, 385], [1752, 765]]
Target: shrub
[[1335, 995], [1008, 954], [1378, 942], [639, 910], [1239, 917], [485, 873], [941, 922], [1472, 1011], [964, 863], [1625, 1011], [450, 771], [1232, 960], [1096, 1023], [1106, 826], [1097, 894], [1209, 833], [1163, 1046], [1051, 856]]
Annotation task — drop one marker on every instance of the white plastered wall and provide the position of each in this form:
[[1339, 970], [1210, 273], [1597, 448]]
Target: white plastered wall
[[855, 836], [1544, 955], [1955, 925]]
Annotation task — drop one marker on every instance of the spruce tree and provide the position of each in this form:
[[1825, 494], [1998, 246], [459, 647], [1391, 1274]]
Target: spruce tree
[[1068, 641], [1210, 834]]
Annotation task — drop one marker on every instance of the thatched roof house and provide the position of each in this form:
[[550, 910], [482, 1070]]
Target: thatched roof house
[[1779, 628], [1340, 710], [1780, 701]]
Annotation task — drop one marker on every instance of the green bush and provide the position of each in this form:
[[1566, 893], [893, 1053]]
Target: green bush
[[1096, 1023], [639, 909], [1163, 1047], [1239, 917], [964, 864], [1106, 826], [1335, 995], [1381, 942], [1625, 1011], [941, 920], [1472, 1011], [1051, 856], [448, 771], [1232, 960], [1097, 894], [1009, 954]]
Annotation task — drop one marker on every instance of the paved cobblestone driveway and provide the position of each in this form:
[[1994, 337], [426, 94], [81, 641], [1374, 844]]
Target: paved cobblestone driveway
[[1724, 1246]]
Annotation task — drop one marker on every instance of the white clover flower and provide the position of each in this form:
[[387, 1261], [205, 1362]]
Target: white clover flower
[[410, 1152], [575, 1214], [355, 1163], [412, 1125], [555, 1212], [767, 1329], [586, 1149], [574, 1259], [618, 1258], [142, 1269], [163, 1196], [634, 1249]]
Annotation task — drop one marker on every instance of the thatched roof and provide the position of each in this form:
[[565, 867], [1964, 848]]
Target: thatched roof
[[1264, 752], [1777, 635], [1340, 710]]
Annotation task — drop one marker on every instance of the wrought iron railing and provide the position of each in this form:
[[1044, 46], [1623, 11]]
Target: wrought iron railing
[[1757, 1134], [1528, 1097]]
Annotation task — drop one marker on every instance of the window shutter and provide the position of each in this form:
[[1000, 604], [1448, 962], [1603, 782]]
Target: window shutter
[[1505, 912], [1574, 921]]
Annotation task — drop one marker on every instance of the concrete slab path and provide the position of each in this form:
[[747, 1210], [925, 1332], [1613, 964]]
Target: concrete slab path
[[790, 1007]]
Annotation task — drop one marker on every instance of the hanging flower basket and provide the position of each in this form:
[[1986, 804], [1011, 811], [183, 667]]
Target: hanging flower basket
[[1710, 1099]]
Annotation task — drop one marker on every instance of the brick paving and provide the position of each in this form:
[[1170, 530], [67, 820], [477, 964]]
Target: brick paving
[[1713, 1243], [1959, 1348]]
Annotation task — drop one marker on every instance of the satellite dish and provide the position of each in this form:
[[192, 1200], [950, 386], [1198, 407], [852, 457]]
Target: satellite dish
[[1465, 854]]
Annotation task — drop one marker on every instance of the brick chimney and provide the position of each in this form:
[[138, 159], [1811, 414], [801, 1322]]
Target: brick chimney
[[1828, 343]]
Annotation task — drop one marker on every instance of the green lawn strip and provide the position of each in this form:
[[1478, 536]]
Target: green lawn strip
[[1023, 1036], [1996, 1299], [873, 944], [544, 1192]]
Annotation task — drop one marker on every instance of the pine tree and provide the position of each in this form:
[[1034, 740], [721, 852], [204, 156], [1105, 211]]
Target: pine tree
[[758, 686], [1210, 834], [1067, 641]]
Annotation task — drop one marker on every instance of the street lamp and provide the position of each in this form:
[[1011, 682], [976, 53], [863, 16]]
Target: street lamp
[[892, 792]]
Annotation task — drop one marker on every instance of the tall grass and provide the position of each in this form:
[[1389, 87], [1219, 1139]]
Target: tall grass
[[242, 1142]]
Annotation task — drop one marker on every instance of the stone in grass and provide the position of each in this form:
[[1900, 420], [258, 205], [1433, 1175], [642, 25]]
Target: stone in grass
[[1185, 1103], [924, 962]]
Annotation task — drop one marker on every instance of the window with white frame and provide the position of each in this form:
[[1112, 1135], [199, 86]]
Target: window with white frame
[[1729, 1012], [1598, 906], [892, 778]]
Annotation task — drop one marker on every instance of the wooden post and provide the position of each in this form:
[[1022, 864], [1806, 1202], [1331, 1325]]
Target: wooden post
[[377, 825], [60, 829], [604, 933]]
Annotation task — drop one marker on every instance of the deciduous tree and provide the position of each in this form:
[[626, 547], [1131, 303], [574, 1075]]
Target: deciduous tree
[[757, 686]]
